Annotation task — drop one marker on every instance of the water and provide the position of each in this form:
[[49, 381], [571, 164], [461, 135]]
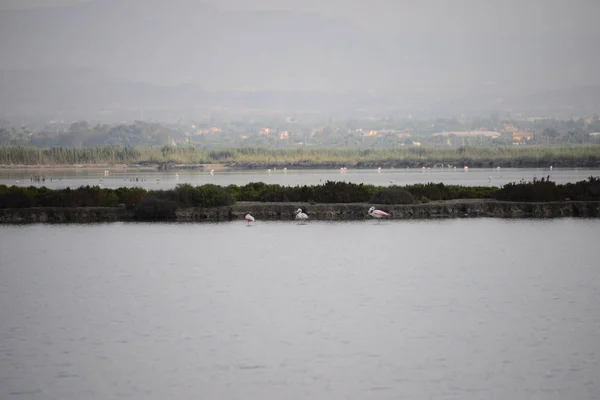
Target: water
[[455, 309], [167, 180]]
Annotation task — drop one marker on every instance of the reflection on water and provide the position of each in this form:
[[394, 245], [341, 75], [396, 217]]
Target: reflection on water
[[457, 309], [165, 180]]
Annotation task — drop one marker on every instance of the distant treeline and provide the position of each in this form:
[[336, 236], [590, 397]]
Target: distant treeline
[[248, 157], [162, 204]]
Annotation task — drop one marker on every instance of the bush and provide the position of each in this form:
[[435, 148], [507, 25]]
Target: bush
[[342, 192], [584, 190], [392, 195], [186, 195], [130, 196], [433, 191], [536, 191]]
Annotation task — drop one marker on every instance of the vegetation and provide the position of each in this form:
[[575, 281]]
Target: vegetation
[[546, 190], [399, 157], [162, 204], [216, 132]]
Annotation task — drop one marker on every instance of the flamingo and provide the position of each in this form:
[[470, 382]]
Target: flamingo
[[300, 215], [378, 213], [249, 218]]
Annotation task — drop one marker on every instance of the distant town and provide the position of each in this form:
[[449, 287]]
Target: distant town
[[275, 132]]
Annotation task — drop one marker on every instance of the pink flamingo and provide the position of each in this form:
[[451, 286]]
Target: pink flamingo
[[378, 213], [249, 218]]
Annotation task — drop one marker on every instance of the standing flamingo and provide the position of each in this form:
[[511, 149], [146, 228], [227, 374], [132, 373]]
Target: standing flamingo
[[378, 213], [301, 216], [249, 218]]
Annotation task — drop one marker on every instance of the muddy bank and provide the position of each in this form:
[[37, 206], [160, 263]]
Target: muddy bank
[[326, 212]]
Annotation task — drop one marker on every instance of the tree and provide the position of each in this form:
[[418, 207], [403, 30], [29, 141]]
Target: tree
[[551, 134], [5, 137]]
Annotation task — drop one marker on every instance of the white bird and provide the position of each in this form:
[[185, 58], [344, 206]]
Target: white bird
[[466, 168], [249, 218], [300, 215], [551, 168], [378, 213]]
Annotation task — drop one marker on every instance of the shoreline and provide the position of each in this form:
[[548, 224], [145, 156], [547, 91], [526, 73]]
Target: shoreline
[[137, 167], [466, 208], [290, 166]]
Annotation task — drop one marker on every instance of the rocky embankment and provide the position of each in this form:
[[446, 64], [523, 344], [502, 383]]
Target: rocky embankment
[[328, 212]]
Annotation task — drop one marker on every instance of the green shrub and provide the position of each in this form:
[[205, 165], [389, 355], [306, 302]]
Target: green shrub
[[536, 191], [392, 195]]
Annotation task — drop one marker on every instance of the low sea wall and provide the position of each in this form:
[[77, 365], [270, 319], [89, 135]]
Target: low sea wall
[[329, 212]]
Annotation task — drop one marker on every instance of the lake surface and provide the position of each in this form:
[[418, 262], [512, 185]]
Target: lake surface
[[454, 309], [166, 180]]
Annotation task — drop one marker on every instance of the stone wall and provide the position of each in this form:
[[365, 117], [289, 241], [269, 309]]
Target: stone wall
[[285, 211]]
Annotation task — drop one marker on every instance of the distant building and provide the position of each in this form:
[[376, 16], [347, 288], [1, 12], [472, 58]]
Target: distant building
[[491, 134], [522, 137], [207, 131]]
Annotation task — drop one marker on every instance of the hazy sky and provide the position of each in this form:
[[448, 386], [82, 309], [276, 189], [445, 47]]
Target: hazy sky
[[363, 44]]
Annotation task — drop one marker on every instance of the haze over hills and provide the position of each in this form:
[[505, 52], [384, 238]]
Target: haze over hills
[[104, 55]]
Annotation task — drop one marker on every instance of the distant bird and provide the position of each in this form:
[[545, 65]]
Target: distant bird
[[392, 182], [300, 215], [249, 218], [379, 169], [466, 168], [212, 171], [378, 213], [489, 178], [551, 168], [498, 168]]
